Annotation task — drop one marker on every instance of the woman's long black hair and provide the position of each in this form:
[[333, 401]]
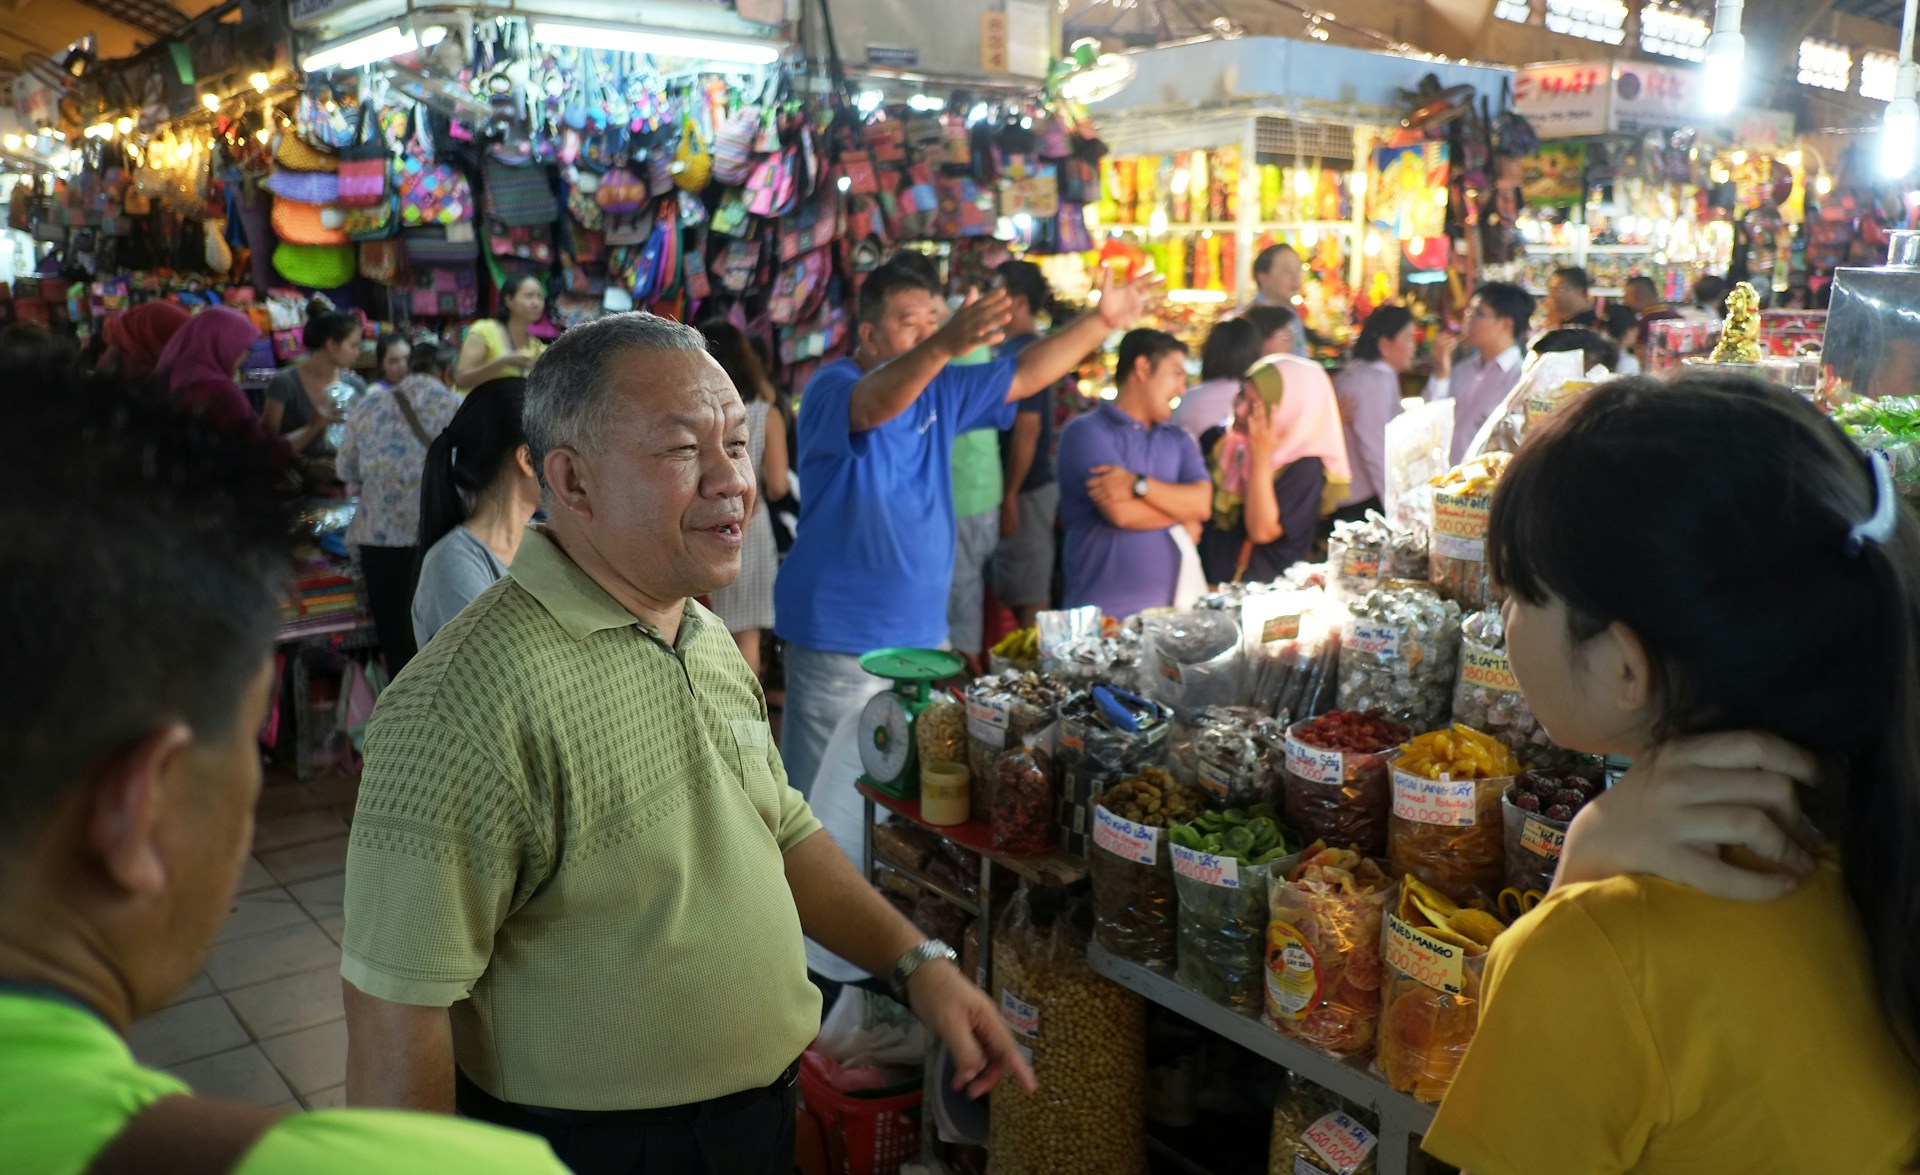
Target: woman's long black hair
[[1711, 514], [1383, 323], [464, 461]]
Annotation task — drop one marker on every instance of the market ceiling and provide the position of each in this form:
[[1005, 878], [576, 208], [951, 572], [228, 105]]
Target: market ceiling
[[40, 30]]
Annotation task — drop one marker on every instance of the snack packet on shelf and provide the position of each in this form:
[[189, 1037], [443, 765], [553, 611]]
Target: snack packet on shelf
[[1323, 949], [1462, 500], [1134, 903], [1220, 875], [1487, 697], [1318, 1132], [1336, 782], [1446, 828], [1435, 955]]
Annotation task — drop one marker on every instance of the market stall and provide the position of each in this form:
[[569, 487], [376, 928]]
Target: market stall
[[1221, 148]]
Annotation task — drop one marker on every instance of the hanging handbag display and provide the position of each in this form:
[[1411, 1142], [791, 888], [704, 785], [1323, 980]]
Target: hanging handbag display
[[363, 166], [315, 267], [520, 196], [441, 244], [431, 193], [293, 153], [300, 223]]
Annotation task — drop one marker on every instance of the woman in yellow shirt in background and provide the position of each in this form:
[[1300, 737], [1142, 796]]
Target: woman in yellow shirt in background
[[1684, 560], [504, 345]]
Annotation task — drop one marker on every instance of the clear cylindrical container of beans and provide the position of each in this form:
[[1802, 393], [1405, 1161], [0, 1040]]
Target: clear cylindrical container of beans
[[1337, 787]]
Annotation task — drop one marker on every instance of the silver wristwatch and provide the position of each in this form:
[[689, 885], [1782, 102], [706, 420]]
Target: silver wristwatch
[[914, 959], [1140, 486]]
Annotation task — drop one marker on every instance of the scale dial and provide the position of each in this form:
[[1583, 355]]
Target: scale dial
[[886, 738]]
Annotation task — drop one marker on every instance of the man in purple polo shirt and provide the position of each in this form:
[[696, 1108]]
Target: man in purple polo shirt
[[1498, 319], [1127, 476]]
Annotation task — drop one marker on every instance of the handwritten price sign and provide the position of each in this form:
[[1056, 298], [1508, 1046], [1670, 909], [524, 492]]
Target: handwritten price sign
[[1206, 868], [1446, 802], [1123, 838], [1420, 956], [1341, 1141]]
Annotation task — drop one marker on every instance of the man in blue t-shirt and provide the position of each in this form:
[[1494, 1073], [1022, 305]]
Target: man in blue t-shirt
[[1128, 479], [873, 560]]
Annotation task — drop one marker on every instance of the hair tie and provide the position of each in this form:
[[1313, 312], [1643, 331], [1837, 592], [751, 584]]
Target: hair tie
[[1878, 526]]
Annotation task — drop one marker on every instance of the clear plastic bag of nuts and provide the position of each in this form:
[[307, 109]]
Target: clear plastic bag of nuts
[[940, 732], [1086, 1038]]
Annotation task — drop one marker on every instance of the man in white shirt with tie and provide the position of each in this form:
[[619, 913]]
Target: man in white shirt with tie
[[1497, 323]]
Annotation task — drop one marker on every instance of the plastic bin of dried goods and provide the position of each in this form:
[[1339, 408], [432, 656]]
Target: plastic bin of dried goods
[[1336, 783], [1446, 827], [1323, 948], [1435, 957], [1134, 908]]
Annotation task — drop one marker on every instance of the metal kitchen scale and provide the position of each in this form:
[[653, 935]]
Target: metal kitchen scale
[[886, 724]]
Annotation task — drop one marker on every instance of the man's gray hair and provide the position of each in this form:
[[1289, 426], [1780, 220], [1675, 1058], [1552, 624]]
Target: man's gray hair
[[570, 399]]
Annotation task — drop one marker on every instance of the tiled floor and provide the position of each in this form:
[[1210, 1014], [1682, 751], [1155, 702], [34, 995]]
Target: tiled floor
[[263, 1023]]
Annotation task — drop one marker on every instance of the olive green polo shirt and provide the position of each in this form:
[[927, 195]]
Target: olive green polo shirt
[[571, 833]]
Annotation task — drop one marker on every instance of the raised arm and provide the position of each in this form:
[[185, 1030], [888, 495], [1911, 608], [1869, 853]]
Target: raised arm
[[1053, 357], [891, 388]]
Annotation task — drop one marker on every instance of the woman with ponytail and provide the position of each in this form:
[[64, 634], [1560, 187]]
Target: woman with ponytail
[[1706, 577], [476, 496]]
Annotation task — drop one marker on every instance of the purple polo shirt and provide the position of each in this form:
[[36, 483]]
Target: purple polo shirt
[[1123, 571]]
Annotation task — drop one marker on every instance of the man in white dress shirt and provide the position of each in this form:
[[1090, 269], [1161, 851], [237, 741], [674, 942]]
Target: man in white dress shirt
[[1497, 323]]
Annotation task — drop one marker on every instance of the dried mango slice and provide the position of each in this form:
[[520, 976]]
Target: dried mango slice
[[1478, 926]]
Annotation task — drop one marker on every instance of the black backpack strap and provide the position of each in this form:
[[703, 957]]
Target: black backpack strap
[[183, 1135]]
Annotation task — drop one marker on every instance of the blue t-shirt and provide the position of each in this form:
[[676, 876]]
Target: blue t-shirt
[[1121, 570], [872, 561], [1040, 403]]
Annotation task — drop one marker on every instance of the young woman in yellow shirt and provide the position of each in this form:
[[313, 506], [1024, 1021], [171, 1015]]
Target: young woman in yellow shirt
[[1707, 577], [503, 346]]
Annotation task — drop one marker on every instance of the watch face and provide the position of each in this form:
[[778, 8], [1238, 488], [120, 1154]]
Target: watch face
[[1140, 486]]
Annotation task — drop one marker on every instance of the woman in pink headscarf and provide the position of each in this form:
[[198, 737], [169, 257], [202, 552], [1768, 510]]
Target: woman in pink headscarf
[[1278, 468], [200, 369], [137, 337]]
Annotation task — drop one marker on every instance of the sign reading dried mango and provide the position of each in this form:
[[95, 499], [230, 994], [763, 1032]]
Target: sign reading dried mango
[[1419, 955]]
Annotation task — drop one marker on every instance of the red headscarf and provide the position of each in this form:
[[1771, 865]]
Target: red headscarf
[[136, 337], [196, 369]]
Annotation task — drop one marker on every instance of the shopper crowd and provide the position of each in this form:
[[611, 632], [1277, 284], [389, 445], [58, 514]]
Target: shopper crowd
[[583, 864]]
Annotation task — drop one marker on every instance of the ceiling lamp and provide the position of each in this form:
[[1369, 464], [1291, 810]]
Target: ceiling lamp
[[1726, 58], [391, 41], [1901, 126], [629, 39]]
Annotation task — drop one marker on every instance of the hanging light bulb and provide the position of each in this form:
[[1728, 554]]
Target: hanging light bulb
[[1901, 124], [1726, 58], [11, 142], [263, 134], [260, 82], [211, 102], [123, 124]]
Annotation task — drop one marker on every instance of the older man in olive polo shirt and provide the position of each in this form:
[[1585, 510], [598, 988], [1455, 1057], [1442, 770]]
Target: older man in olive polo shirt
[[578, 881]]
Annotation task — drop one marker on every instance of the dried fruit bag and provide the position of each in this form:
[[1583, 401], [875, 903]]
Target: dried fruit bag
[[1086, 1037], [1462, 499], [1023, 805], [1220, 871], [1535, 813], [1435, 953], [1398, 649], [1446, 827], [1094, 753], [1002, 710], [1317, 1132], [1323, 949], [1134, 910], [1336, 782]]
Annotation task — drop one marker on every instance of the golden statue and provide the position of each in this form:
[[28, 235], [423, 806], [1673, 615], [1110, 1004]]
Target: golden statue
[[1740, 339]]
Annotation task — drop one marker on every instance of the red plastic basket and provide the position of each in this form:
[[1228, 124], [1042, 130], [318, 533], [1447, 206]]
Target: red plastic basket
[[865, 1135]]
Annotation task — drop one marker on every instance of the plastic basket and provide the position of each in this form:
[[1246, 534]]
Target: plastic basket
[[871, 1132]]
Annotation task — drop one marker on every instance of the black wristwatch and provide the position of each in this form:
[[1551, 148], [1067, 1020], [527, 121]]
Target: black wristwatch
[[1140, 486]]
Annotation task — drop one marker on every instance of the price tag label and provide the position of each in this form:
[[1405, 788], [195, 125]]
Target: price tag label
[[1375, 640], [1488, 669], [1170, 667], [1022, 1018], [1460, 525], [1542, 840], [1206, 868], [1123, 838], [1420, 956], [1280, 628], [1293, 973], [1447, 802], [1214, 779], [1313, 764], [1073, 737], [1360, 563], [987, 721], [1341, 1141]]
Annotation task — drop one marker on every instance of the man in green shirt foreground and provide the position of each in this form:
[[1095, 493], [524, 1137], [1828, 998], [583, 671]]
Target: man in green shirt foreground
[[578, 881], [143, 560]]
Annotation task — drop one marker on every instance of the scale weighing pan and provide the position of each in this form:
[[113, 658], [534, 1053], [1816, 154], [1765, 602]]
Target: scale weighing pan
[[913, 664]]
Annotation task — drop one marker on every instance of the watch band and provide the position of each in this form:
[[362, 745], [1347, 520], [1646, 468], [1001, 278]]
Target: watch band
[[916, 958]]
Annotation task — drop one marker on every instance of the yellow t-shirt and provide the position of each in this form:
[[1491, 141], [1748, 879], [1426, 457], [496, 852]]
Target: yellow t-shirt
[[1639, 1025], [493, 333]]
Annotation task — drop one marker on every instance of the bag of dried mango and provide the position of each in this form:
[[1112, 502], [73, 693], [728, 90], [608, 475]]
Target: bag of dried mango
[[1435, 954]]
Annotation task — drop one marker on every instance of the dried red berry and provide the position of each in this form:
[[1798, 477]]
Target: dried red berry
[[1527, 801], [1558, 812]]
